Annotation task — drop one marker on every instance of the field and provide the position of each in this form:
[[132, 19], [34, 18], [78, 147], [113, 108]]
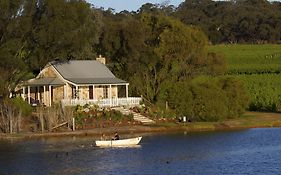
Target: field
[[250, 59], [259, 67]]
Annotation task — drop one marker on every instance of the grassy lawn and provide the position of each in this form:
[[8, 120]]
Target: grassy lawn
[[248, 120]]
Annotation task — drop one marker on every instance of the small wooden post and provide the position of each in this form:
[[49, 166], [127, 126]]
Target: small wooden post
[[19, 121], [73, 124], [42, 121], [11, 124]]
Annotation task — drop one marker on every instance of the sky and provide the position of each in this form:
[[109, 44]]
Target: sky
[[130, 5]]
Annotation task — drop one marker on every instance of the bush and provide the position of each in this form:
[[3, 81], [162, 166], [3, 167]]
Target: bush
[[208, 99], [22, 105], [11, 113], [237, 97], [89, 115]]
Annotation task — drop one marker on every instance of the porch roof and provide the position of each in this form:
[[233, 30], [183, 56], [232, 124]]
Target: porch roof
[[47, 81], [96, 80]]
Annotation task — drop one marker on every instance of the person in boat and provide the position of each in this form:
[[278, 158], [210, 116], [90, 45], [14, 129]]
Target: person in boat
[[103, 137], [116, 136]]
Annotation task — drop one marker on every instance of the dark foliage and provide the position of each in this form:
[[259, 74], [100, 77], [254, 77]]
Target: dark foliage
[[236, 21]]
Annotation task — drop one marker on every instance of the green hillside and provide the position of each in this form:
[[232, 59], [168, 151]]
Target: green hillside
[[259, 67], [250, 59]]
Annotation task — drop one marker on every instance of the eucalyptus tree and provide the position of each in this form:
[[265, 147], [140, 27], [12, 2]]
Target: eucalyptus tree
[[61, 30], [13, 29], [175, 52], [34, 32], [122, 41]]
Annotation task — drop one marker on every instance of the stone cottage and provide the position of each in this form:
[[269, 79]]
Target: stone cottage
[[76, 82]]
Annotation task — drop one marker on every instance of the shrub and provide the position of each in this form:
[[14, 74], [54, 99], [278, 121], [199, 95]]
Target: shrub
[[22, 105], [208, 99]]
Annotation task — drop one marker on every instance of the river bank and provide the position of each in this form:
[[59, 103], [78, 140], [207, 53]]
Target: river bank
[[249, 120]]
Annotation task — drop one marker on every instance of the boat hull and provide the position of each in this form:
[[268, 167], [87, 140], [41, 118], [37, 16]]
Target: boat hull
[[116, 143]]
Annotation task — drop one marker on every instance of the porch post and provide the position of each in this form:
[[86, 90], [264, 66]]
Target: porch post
[[50, 95], [44, 95], [110, 95], [80, 96], [127, 91], [117, 98], [77, 95], [93, 92], [23, 93], [28, 94], [38, 94]]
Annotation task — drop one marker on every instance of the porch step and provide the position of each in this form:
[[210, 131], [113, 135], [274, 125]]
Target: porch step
[[137, 117]]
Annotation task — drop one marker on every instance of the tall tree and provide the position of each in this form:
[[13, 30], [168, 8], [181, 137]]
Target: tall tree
[[122, 41], [62, 30], [13, 28], [175, 52]]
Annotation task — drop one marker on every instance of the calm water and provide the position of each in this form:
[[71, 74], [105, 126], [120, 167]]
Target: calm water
[[254, 151]]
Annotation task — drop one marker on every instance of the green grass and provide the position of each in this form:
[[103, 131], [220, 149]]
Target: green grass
[[248, 120], [250, 58]]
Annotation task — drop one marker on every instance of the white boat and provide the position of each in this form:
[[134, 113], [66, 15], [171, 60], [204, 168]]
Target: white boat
[[117, 143]]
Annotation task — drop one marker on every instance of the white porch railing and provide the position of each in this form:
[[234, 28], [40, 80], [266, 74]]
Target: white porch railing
[[130, 101]]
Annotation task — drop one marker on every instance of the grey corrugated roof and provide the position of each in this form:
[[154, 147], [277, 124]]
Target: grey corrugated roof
[[45, 81], [86, 72]]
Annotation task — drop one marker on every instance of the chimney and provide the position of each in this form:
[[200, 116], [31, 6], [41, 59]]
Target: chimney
[[101, 59]]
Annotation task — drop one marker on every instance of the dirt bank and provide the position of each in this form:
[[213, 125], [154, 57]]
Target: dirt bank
[[249, 120]]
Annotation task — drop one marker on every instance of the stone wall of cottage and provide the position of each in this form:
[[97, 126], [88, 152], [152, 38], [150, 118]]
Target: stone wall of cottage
[[83, 92], [69, 91], [48, 72], [114, 91], [98, 93], [58, 93]]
